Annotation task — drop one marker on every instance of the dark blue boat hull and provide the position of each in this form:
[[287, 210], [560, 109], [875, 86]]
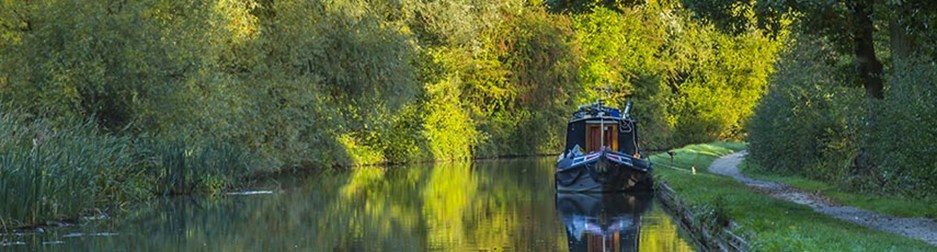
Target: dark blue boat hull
[[603, 171]]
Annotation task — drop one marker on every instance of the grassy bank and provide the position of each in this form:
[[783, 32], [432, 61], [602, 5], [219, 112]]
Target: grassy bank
[[774, 225], [892, 204]]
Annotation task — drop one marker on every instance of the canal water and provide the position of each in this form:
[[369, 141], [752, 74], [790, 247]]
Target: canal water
[[499, 205]]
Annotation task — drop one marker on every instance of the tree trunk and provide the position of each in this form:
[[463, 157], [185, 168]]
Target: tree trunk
[[901, 43], [870, 68]]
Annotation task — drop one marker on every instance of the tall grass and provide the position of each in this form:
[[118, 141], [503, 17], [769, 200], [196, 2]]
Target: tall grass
[[54, 172], [200, 166]]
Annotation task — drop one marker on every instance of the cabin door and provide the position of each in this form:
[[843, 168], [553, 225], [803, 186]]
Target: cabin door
[[594, 136]]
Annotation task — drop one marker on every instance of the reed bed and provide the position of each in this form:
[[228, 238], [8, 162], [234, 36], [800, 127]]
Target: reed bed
[[62, 172], [184, 167]]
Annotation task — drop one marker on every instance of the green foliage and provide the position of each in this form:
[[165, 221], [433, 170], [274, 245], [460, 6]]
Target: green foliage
[[445, 117], [199, 88], [540, 60], [813, 123], [288, 86], [715, 215], [691, 82], [56, 172], [828, 19], [853, 27], [110, 61], [582, 6], [618, 53], [621, 53], [50, 173], [902, 144], [721, 87], [807, 123], [183, 168], [401, 139]]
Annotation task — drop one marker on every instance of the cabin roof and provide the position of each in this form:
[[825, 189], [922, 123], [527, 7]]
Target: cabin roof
[[596, 111]]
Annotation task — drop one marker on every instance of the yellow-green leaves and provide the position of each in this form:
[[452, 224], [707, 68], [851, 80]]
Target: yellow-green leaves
[[240, 22]]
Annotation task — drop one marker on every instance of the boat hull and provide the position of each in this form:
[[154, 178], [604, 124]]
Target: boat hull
[[603, 171]]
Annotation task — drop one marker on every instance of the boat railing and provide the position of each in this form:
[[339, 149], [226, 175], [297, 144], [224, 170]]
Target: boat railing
[[593, 109], [594, 105]]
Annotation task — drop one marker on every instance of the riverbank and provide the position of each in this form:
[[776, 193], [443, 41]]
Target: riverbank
[[769, 224]]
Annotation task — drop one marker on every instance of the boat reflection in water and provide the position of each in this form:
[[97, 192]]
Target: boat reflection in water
[[602, 221]]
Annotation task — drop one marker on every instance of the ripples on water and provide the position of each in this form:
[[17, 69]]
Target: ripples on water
[[485, 206]]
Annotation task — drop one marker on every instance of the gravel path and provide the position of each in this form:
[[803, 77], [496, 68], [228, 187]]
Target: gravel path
[[917, 228]]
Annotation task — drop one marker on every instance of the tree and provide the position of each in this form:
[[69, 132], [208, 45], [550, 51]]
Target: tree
[[827, 18]]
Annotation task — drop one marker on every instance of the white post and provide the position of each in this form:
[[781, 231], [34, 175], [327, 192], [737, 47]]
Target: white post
[[602, 131]]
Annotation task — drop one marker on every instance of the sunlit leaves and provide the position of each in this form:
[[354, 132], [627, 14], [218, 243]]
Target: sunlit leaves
[[691, 82], [311, 82], [240, 22], [446, 116]]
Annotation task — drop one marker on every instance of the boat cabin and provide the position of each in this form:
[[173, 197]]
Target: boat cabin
[[595, 125]]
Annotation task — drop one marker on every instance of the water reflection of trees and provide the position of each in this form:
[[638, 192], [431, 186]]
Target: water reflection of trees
[[483, 206]]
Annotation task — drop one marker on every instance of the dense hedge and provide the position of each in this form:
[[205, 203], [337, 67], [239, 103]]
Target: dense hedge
[[901, 146], [808, 122], [813, 122], [275, 85]]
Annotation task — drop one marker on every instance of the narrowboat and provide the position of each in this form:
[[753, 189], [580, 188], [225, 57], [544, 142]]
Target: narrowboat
[[601, 153]]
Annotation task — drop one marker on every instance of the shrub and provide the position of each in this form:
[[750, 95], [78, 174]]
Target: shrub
[[810, 123], [905, 126], [807, 123]]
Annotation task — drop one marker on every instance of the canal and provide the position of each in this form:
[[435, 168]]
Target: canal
[[497, 205]]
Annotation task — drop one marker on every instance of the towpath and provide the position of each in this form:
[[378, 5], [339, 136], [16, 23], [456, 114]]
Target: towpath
[[917, 228]]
